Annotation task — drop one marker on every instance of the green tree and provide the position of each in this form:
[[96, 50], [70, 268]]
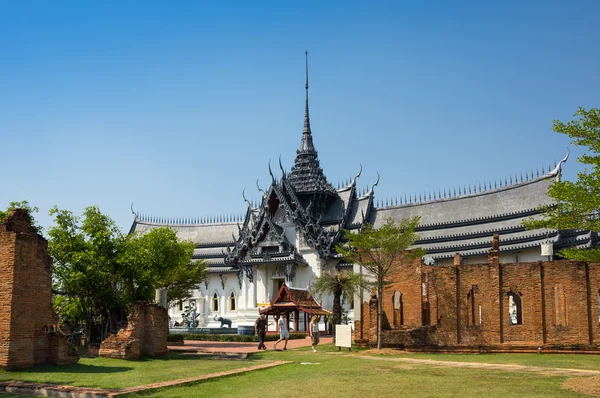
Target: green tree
[[340, 284], [380, 251], [21, 205], [158, 259], [102, 271], [577, 203], [85, 267]]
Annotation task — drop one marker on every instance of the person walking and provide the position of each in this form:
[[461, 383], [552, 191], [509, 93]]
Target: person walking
[[284, 334], [260, 329], [314, 332]]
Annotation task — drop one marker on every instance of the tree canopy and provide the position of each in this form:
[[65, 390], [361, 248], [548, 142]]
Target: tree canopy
[[103, 270], [577, 202], [379, 251], [342, 285]]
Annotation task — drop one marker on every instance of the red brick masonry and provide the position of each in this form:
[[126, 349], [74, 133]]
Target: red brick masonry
[[27, 320], [145, 334], [468, 306]]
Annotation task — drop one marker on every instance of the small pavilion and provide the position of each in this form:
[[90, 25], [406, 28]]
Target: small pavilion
[[300, 303]]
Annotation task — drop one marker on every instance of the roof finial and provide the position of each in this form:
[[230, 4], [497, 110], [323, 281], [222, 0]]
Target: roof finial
[[306, 115]]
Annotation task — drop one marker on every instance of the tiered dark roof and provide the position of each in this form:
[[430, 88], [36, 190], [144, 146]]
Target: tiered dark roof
[[306, 175], [304, 198]]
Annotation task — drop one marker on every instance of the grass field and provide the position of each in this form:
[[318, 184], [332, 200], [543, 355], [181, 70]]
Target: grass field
[[572, 361], [330, 373], [116, 374]]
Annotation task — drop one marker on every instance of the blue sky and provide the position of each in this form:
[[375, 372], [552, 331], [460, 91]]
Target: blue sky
[[178, 106]]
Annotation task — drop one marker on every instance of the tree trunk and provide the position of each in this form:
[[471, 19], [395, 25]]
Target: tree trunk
[[336, 310], [379, 312]]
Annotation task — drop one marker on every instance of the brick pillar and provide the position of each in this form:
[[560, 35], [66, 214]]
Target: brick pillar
[[25, 293], [372, 333], [493, 253], [457, 259]]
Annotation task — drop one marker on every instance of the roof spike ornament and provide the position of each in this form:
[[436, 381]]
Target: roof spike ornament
[[306, 129], [260, 190], [281, 167], [557, 171], [376, 183], [271, 172], [537, 171], [246, 200], [543, 171], [358, 175]]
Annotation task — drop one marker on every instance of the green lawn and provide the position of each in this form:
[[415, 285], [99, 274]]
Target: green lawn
[[331, 375], [115, 373], [569, 361], [328, 373]]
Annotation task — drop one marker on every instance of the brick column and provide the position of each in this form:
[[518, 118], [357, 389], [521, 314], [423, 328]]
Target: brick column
[[372, 333]]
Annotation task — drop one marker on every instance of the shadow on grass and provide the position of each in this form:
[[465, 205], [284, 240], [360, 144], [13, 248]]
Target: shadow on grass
[[186, 357], [76, 368]]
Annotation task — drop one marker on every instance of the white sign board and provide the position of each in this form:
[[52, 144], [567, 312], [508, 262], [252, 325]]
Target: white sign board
[[343, 336]]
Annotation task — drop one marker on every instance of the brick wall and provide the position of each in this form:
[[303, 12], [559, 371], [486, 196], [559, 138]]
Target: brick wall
[[468, 305], [26, 313], [145, 334]]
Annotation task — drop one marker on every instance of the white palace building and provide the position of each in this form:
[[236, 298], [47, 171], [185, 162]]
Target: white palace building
[[291, 234]]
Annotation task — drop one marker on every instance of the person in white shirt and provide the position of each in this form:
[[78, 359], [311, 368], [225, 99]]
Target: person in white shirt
[[284, 335], [314, 331]]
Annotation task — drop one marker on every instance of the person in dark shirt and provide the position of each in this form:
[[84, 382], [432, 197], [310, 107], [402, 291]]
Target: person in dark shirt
[[260, 328]]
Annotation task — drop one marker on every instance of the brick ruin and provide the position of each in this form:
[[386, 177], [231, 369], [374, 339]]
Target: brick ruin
[[145, 334], [510, 306], [28, 333]]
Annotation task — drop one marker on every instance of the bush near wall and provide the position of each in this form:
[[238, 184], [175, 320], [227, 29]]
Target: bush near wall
[[175, 338], [230, 337]]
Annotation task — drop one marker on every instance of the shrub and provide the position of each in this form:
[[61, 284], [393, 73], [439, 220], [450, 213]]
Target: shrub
[[173, 338], [238, 337]]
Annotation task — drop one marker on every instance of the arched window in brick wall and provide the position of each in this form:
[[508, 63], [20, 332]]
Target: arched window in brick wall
[[560, 305], [515, 308], [215, 303], [599, 305], [474, 317], [398, 318]]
